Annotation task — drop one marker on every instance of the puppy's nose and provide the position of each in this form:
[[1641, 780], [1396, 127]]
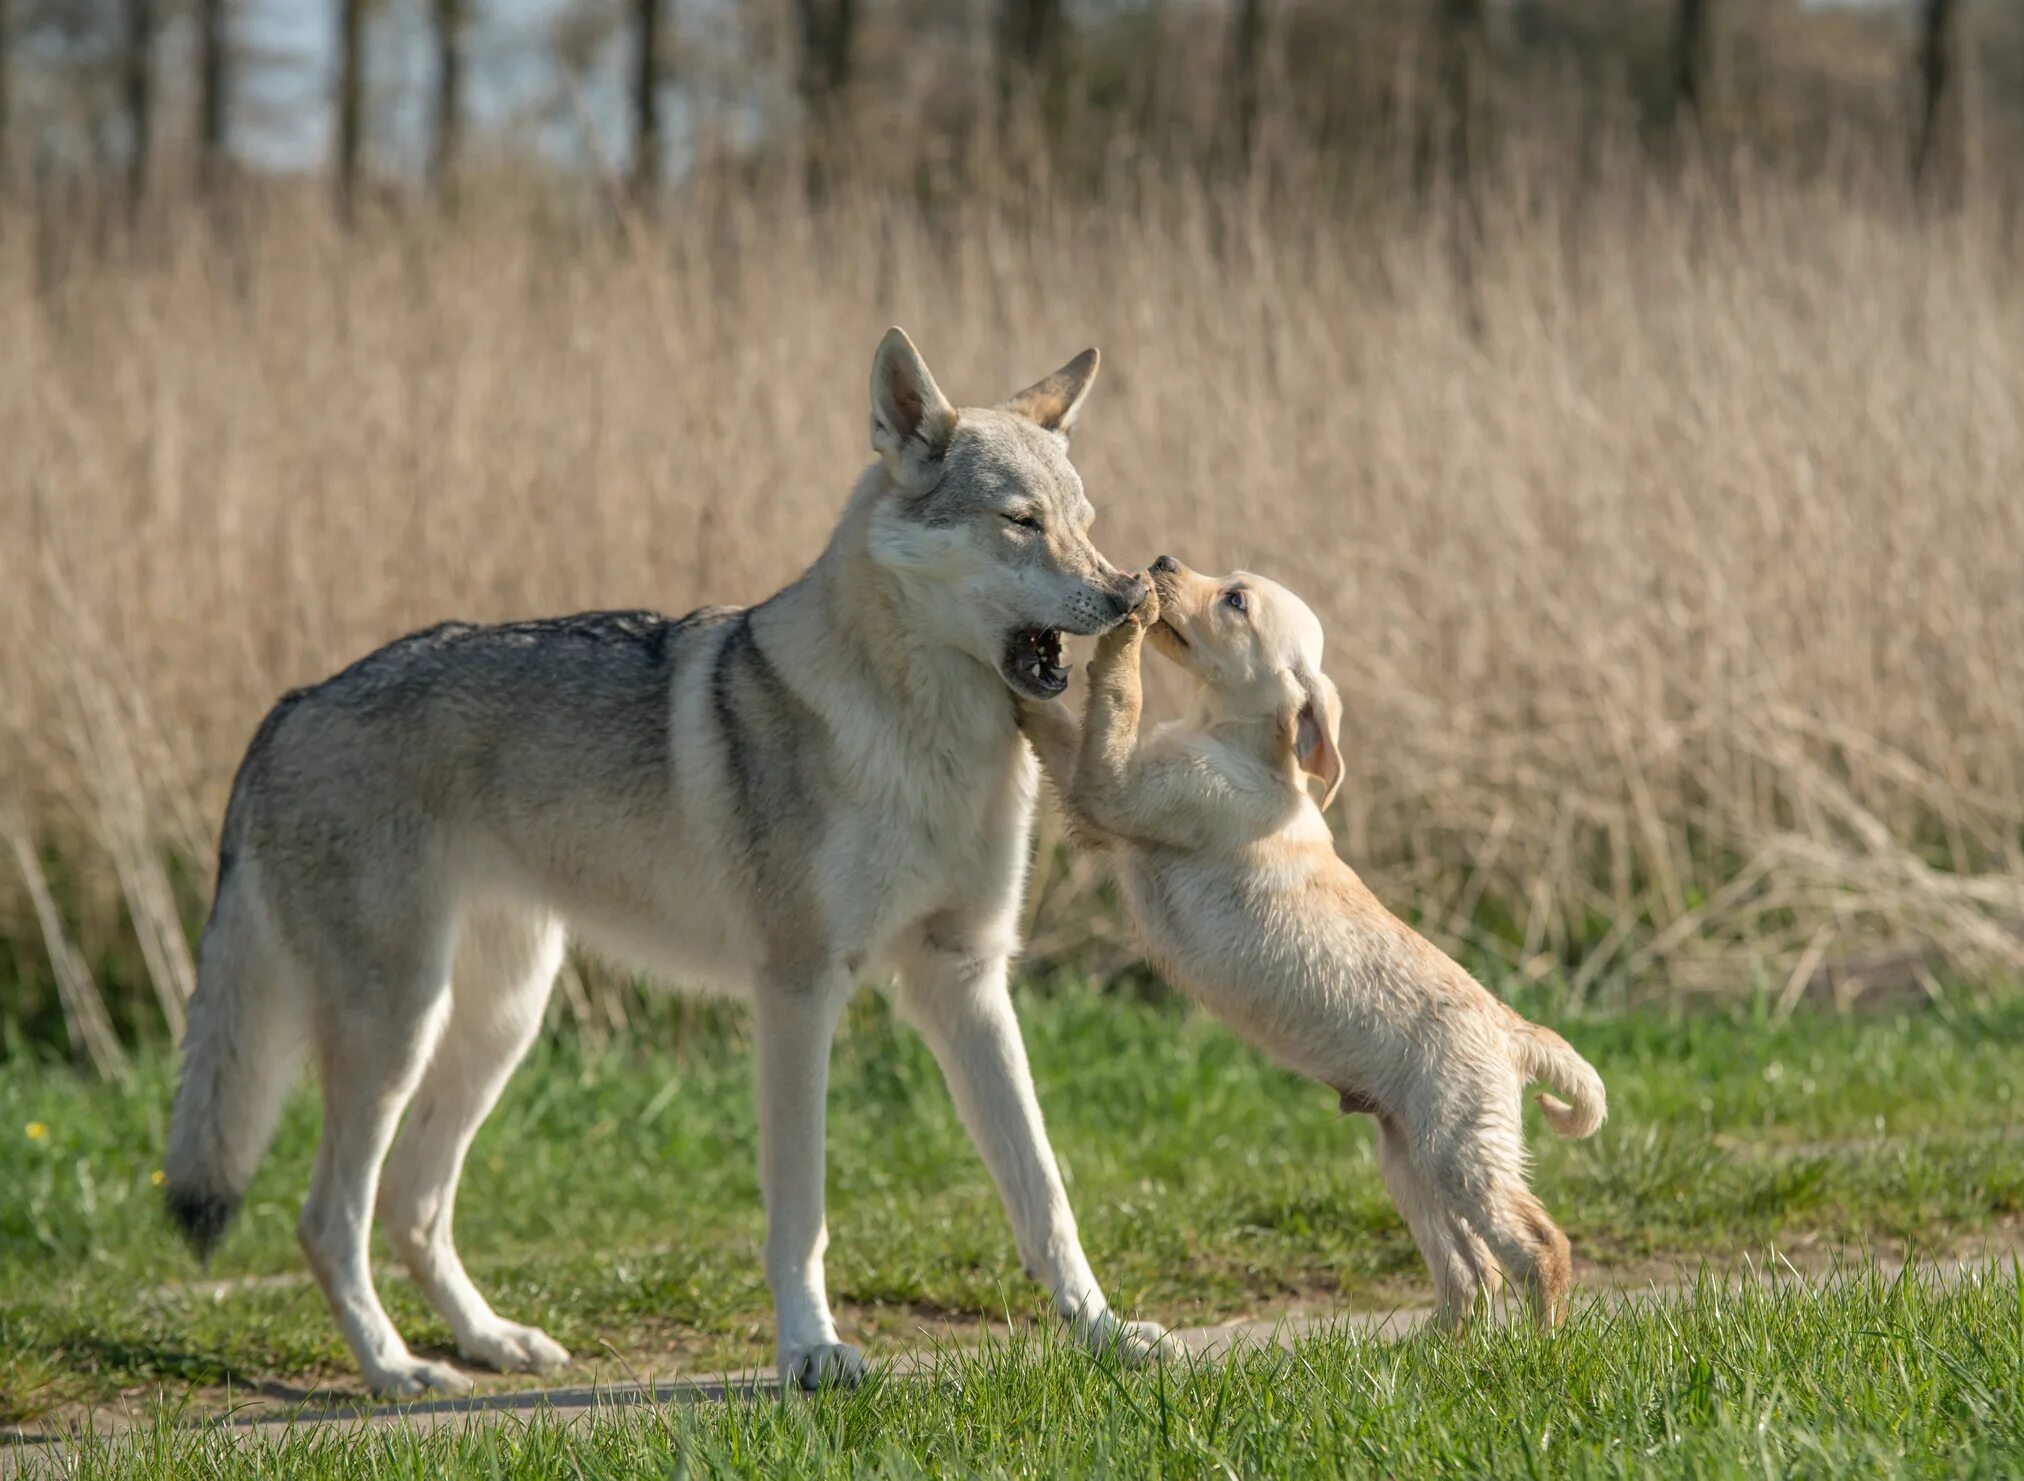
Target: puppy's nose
[[1166, 565]]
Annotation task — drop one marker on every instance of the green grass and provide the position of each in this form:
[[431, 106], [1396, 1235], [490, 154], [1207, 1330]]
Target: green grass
[[1868, 1377], [612, 1198]]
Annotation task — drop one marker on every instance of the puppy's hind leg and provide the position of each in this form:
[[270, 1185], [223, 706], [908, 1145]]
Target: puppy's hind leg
[[499, 986], [1450, 1251], [1481, 1177], [1486, 1275], [1517, 1227]]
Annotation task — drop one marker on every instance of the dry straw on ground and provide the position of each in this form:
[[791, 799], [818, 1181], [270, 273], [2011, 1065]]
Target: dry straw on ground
[[1671, 563]]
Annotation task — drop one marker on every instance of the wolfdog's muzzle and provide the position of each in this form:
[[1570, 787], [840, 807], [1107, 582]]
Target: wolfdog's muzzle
[[1032, 662]]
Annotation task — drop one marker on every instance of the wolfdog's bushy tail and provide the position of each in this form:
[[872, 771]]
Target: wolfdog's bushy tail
[[239, 1057], [1544, 1055]]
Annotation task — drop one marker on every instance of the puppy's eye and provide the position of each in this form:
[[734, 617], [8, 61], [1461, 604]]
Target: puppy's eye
[[1234, 600], [1024, 521]]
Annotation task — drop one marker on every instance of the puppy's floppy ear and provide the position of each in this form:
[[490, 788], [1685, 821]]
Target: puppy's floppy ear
[[1316, 719], [1055, 402], [911, 420]]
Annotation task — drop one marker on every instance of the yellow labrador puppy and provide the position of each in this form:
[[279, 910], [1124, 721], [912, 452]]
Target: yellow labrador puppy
[[1227, 866]]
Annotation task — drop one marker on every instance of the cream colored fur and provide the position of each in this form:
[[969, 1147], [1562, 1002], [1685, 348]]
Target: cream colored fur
[[1229, 871]]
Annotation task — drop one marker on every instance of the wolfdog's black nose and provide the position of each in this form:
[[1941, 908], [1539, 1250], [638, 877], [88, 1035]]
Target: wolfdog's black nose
[[1166, 565], [1132, 597]]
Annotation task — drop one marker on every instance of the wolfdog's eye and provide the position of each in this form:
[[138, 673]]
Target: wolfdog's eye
[[1024, 521], [1234, 599]]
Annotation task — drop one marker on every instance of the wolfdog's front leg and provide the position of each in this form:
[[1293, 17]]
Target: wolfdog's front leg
[[795, 1021], [956, 994]]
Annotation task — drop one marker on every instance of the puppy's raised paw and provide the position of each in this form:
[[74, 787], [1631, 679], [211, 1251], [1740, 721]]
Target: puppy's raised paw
[[1121, 642], [1148, 611]]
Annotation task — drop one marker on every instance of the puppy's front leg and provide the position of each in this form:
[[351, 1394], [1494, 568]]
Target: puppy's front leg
[[1110, 729], [1137, 795]]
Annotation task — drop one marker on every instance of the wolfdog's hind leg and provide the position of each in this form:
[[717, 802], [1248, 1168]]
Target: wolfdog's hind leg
[[505, 966], [374, 1035]]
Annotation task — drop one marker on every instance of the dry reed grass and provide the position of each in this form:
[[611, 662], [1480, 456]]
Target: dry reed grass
[[1671, 562]]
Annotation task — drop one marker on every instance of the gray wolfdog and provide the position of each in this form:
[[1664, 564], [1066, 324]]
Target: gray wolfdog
[[778, 801]]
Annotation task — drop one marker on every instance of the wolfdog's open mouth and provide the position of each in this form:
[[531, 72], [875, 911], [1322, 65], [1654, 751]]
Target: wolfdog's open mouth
[[1033, 662]]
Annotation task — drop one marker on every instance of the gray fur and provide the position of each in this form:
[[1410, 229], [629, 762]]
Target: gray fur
[[764, 801]]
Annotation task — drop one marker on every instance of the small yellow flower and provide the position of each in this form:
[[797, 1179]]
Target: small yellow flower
[[37, 1132], [158, 1177]]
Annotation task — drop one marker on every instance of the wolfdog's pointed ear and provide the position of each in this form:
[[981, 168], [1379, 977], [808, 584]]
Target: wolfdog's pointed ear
[[911, 420], [1055, 402]]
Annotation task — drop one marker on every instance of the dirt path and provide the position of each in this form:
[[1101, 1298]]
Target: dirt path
[[271, 1409]]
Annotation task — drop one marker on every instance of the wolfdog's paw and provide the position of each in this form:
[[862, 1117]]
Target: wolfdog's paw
[[508, 1347], [414, 1377], [1132, 1344], [823, 1365]]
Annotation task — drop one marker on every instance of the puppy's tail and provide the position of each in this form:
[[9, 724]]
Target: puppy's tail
[[1544, 1055]]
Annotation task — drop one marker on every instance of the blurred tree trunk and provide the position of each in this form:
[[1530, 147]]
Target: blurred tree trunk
[[449, 100], [350, 103], [828, 37], [1462, 51], [1029, 52], [1448, 147], [1690, 56], [1247, 34], [6, 98], [646, 160], [211, 104], [1938, 52], [139, 89]]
